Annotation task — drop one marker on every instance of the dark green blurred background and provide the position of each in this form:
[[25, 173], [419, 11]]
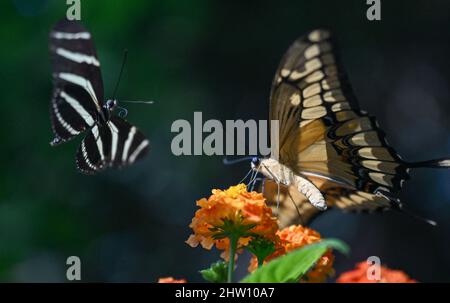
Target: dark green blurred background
[[217, 57]]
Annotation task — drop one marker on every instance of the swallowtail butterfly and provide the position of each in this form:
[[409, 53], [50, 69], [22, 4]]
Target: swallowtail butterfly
[[77, 104], [331, 153]]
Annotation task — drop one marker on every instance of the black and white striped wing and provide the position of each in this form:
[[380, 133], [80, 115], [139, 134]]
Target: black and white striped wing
[[115, 144], [76, 103]]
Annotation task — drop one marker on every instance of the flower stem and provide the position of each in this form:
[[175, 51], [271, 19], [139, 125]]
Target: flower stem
[[260, 262], [233, 246]]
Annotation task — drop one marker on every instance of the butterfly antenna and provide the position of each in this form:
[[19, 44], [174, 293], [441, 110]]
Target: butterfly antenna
[[124, 60], [138, 101], [230, 162], [250, 180], [278, 195], [416, 217]]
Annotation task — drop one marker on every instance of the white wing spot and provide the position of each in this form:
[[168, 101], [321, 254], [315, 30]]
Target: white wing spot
[[63, 122], [138, 150], [84, 83], [78, 108], [318, 35], [77, 57], [114, 140], [86, 157], [314, 112], [127, 144], [295, 99], [99, 141], [444, 163], [71, 36]]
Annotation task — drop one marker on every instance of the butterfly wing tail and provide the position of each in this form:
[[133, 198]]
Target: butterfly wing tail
[[398, 206], [436, 163]]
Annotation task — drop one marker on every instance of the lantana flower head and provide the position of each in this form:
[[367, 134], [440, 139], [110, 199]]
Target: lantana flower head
[[295, 237], [387, 275], [234, 210], [171, 280]]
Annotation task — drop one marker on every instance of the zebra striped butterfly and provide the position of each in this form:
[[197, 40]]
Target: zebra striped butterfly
[[77, 104], [331, 153]]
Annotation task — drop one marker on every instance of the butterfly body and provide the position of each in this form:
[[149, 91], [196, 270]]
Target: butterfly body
[[281, 174], [107, 110], [78, 106]]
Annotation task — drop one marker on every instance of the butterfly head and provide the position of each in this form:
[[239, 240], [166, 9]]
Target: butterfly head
[[111, 104], [255, 163]]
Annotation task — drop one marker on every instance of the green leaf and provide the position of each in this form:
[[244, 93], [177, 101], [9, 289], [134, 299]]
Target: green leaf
[[291, 267], [261, 248], [217, 273]]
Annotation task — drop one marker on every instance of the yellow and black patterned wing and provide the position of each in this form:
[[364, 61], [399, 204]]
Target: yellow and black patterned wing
[[292, 207], [323, 133]]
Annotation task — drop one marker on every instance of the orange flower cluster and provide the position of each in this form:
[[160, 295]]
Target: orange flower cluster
[[171, 280], [297, 236], [359, 275], [237, 205]]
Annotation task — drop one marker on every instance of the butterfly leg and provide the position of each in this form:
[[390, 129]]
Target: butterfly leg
[[250, 180], [278, 194], [302, 221], [262, 180], [246, 176], [253, 178], [276, 180]]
